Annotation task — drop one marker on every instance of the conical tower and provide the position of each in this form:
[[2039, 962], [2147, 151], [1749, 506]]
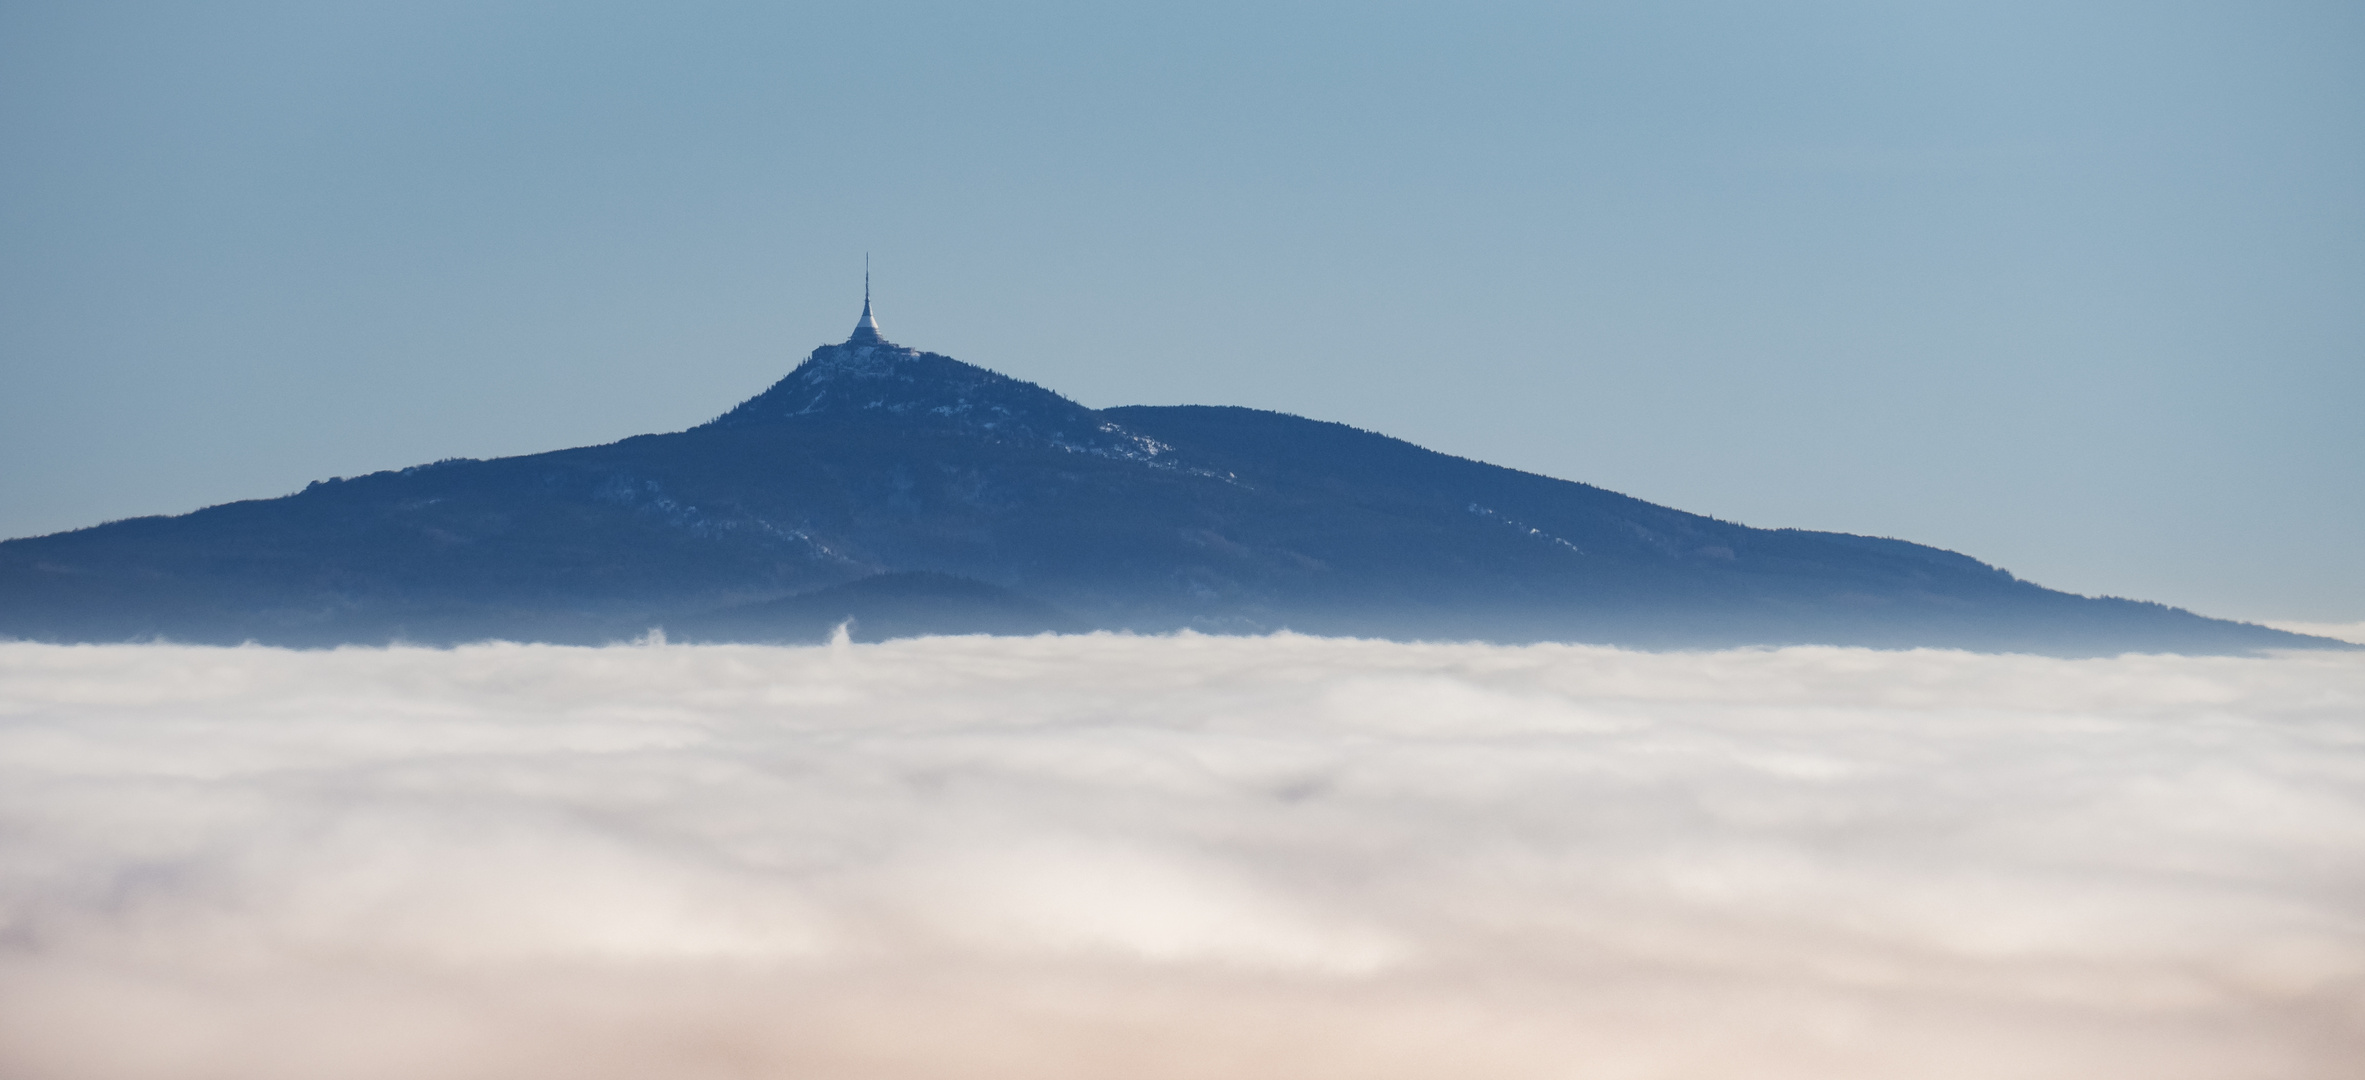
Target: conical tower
[[866, 329]]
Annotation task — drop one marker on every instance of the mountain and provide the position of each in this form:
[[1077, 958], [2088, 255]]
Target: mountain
[[993, 505]]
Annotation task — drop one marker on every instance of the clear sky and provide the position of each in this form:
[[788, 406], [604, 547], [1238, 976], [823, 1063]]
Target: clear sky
[[2075, 288]]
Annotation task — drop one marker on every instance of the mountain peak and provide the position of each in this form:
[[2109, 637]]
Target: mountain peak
[[869, 378]]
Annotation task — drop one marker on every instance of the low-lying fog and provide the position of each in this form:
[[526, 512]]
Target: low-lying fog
[[1177, 857]]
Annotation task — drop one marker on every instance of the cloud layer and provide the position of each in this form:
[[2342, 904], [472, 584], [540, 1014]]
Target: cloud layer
[[1177, 857]]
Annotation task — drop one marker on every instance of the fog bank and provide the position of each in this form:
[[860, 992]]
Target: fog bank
[[1177, 857]]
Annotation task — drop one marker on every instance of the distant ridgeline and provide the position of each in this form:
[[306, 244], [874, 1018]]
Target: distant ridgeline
[[915, 494]]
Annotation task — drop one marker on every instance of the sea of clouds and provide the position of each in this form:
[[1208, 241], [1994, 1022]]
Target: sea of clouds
[[1176, 857]]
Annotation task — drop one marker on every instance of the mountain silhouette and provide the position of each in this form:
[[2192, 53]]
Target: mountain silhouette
[[914, 493]]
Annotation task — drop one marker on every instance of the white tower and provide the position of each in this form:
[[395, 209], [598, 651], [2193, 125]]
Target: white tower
[[866, 330]]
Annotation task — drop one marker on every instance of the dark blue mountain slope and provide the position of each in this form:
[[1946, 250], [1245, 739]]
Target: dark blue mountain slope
[[878, 608], [873, 459]]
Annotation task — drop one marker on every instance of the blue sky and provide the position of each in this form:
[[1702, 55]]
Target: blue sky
[[2075, 288]]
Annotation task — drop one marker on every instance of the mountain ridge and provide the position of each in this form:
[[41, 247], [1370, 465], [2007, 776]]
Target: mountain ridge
[[870, 458]]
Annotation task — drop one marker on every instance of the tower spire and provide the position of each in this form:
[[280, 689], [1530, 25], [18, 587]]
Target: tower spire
[[866, 330]]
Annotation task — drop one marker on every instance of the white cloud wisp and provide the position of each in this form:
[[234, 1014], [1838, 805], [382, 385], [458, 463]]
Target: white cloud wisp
[[1177, 858]]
